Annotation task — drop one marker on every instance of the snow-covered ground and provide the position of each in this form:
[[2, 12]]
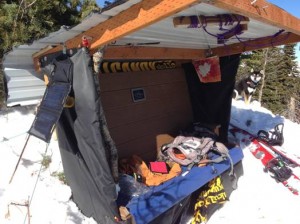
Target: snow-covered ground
[[258, 199], [48, 196]]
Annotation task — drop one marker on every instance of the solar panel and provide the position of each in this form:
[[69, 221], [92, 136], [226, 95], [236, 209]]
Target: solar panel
[[50, 110]]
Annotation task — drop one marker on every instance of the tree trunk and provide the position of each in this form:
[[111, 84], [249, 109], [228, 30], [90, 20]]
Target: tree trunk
[[265, 54], [292, 110]]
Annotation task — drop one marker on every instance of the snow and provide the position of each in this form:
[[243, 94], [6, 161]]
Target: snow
[[49, 197], [259, 199]]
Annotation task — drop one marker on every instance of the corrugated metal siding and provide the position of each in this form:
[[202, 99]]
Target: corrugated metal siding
[[23, 87]]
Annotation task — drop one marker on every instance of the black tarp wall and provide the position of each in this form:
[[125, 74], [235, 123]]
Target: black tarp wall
[[84, 145], [211, 102]]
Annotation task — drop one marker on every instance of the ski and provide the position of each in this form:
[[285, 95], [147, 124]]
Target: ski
[[288, 157], [265, 153]]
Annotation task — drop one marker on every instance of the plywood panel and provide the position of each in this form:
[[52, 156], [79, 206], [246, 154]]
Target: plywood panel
[[135, 126], [125, 80], [158, 101], [146, 148], [169, 122], [160, 92]]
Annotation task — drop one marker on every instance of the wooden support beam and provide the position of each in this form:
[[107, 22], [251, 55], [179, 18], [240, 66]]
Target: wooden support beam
[[197, 21], [257, 44], [137, 17], [138, 52], [261, 10], [232, 23], [142, 52]]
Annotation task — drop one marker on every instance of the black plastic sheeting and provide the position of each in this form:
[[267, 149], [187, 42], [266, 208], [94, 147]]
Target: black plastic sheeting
[[89, 156], [211, 102]]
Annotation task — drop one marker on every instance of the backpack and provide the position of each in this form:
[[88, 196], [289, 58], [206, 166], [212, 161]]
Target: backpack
[[190, 151]]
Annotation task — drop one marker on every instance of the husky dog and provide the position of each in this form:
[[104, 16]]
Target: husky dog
[[247, 85]]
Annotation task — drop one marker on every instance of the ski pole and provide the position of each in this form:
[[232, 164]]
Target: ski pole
[[20, 157]]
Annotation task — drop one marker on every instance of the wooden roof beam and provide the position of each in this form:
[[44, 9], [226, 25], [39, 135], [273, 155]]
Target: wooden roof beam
[[136, 17], [150, 53], [139, 52], [261, 10], [286, 38], [198, 21]]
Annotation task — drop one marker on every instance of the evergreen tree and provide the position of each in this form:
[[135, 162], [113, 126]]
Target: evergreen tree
[[24, 21], [88, 6], [290, 59], [27, 20], [287, 80], [293, 82], [280, 89], [271, 98]]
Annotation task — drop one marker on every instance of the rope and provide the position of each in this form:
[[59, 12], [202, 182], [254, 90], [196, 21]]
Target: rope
[[202, 23], [36, 182], [206, 39], [220, 37], [242, 40]]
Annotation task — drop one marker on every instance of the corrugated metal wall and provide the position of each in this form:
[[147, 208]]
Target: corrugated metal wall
[[23, 87]]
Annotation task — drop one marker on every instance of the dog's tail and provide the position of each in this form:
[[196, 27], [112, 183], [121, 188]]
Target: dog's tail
[[235, 94]]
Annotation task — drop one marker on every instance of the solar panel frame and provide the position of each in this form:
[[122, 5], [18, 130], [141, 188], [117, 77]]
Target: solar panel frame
[[50, 110]]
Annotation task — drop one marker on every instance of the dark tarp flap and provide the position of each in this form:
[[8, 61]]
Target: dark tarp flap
[[83, 147], [211, 102], [49, 111]]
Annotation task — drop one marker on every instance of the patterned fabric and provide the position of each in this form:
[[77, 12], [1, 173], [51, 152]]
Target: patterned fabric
[[213, 193]]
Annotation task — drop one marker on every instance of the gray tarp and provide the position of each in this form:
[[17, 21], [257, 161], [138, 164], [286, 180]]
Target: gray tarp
[[87, 151]]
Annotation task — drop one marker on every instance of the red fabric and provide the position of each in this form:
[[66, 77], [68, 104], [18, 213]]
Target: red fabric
[[158, 167], [208, 69]]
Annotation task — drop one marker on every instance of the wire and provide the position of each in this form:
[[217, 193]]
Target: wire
[[36, 182]]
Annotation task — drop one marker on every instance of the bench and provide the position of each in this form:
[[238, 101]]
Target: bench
[[160, 198]]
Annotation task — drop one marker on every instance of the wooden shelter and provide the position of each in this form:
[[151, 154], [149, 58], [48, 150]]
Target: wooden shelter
[[149, 87], [148, 41]]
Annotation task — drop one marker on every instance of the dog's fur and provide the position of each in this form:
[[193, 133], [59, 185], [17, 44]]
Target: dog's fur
[[246, 86]]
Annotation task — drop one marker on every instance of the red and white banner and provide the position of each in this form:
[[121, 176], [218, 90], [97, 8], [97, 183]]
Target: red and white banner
[[208, 69]]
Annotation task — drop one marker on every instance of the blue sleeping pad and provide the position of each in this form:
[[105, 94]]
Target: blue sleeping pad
[[160, 198]]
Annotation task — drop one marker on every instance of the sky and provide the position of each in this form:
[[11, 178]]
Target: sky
[[258, 199], [291, 6], [100, 2]]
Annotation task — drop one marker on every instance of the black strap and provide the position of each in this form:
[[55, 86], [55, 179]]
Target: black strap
[[272, 137]]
